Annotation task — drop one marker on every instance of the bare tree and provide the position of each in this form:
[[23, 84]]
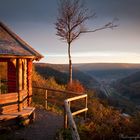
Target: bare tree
[[71, 24]]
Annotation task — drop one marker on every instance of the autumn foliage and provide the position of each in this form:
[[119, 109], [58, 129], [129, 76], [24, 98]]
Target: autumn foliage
[[76, 86], [105, 122]]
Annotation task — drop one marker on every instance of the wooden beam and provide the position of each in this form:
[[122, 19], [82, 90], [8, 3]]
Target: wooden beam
[[19, 69], [56, 90], [46, 99], [19, 57], [20, 74], [76, 98], [25, 75], [29, 80], [79, 111]]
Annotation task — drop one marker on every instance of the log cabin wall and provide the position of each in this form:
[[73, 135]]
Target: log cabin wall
[[8, 103], [17, 99], [22, 83]]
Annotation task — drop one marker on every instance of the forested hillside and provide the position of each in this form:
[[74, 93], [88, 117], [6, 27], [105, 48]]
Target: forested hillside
[[106, 66], [108, 70], [60, 73], [129, 86]]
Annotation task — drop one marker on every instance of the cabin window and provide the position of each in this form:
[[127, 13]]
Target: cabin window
[[3, 77]]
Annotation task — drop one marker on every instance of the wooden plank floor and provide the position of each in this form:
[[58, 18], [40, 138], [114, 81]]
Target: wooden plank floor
[[25, 112]]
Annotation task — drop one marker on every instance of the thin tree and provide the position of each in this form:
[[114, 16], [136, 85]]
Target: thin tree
[[70, 24]]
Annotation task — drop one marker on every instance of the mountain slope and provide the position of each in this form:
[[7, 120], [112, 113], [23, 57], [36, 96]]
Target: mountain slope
[[108, 71], [106, 66], [60, 73], [129, 86]]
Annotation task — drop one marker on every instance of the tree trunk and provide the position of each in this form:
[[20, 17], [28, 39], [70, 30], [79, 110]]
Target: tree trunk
[[70, 64]]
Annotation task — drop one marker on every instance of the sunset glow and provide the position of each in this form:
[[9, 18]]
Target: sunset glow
[[36, 26]]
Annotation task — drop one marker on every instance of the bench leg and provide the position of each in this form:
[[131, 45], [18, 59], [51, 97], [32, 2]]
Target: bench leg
[[32, 117]]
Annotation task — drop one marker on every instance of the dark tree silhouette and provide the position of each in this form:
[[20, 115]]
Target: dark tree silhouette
[[71, 24]]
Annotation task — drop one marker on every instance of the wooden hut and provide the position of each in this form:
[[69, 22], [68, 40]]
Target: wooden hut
[[16, 59]]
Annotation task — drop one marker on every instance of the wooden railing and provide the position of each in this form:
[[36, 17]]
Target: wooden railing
[[68, 115], [47, 90]]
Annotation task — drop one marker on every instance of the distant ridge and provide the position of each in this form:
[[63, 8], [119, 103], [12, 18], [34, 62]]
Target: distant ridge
[[105, 66], [60, 73], [94, 66], [98, 70]]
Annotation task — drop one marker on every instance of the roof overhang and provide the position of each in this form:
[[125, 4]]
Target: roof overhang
[[22, 57], [27, 48]]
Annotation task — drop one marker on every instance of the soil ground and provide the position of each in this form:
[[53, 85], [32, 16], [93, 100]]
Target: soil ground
[[45, 127]]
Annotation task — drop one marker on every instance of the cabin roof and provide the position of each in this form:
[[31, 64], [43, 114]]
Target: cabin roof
[[11, 45]]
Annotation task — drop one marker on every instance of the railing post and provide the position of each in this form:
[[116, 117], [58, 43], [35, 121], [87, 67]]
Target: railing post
[[65, 119], [69, 104], [46, 99], [72, 125], [85, 107], [0, 85]]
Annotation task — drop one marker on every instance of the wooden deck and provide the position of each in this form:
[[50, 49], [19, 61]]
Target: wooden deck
[[6, 119]]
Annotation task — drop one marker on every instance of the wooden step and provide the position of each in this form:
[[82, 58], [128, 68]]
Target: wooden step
[[25, 112]]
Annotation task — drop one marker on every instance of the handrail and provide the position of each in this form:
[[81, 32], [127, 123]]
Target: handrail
[[57, 90], [76, 98], [68, 115]]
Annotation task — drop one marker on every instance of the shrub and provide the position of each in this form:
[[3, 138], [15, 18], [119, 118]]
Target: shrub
[[39, 94], [105, 122], [51, 83], [76, 86], [39, 81]]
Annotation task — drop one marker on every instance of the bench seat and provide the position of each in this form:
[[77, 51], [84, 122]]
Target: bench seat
[[25, 112]]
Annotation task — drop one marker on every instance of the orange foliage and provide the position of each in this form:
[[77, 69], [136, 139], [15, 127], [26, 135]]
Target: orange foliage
[[76, 86], [107, 123]]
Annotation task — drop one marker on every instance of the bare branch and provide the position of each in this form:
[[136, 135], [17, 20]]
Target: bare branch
[[107, 26]]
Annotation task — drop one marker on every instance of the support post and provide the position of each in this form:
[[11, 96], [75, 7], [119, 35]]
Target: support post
[[25, 75], [86, 107], [46, 99], [65, 119], [0, 84], [19, 67], [29, 80]]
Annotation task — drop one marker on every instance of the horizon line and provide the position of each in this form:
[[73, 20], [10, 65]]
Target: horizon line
[[92, 63]]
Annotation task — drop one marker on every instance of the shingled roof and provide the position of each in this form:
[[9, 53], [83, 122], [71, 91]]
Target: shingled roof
[[12, 45]]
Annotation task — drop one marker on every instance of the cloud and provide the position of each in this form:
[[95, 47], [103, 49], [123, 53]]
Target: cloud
[[96, 54], [114, 58]]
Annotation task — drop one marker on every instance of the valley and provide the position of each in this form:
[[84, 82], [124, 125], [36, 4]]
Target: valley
[[109, 80]]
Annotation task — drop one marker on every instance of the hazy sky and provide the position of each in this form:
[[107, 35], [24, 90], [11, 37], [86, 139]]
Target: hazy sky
[[33, 21]]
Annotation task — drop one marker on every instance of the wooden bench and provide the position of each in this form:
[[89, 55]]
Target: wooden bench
[[18, 116]]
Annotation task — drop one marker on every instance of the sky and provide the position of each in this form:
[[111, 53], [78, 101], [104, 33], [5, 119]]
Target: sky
[[33, 21]]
